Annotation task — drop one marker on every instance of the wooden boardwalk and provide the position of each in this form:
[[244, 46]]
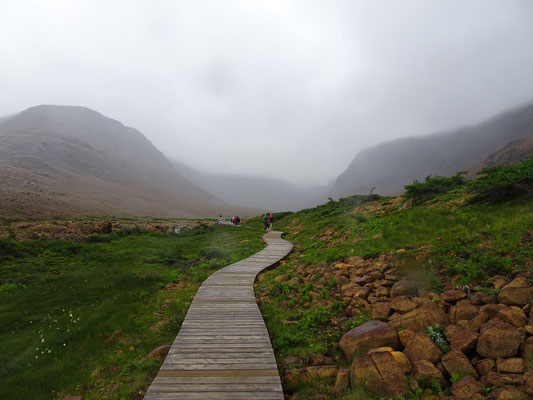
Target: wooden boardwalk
[[223, 350]]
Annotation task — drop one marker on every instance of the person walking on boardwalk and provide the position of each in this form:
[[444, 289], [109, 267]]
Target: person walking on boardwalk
[[265, 221], [270, 221]]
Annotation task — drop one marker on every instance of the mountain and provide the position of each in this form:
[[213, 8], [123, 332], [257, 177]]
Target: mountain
[[66, 160], [505, 138], [257, 192]]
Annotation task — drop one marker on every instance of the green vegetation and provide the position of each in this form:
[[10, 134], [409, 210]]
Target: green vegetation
[[436, 333], [456, 231], [501, 182], [494, 184], [59, 301], [434, 186]]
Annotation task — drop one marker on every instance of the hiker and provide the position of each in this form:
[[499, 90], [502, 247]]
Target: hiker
[[270, 221], [237, 220], [265, 221]]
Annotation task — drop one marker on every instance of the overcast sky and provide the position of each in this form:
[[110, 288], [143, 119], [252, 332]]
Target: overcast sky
[[279, 88]]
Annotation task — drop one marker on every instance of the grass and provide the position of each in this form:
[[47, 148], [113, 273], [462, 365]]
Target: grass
[[59, 301], [444, 239], [476, 240]]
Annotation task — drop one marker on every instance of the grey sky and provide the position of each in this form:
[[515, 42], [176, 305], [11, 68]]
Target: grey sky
[[271, 87]]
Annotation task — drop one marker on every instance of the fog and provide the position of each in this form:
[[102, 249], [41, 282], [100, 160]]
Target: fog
[[284, 89]]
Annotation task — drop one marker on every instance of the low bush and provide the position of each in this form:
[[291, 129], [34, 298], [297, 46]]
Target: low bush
[[505, 181], [434, 186]]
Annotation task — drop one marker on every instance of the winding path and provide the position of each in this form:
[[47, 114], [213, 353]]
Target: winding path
[[223, 350]]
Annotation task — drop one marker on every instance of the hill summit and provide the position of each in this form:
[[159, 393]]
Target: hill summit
[[67, 160], [504, 139]]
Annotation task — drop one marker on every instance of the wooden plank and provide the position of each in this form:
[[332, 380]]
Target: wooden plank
[[223, 350]]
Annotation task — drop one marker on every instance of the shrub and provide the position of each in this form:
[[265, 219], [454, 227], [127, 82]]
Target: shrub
[[9, 248], [434, 186], [212, 253], [436, 333], [97, 239], [501, 182]]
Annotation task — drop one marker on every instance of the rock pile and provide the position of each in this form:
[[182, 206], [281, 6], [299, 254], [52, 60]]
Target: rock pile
[[483, 347], [488, 338], [77, 230]]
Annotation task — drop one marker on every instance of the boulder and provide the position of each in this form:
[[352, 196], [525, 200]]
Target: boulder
[[491, 309], [452, 296], [498, 339], [518, 282], [516, 296], [513, 365], [497, 379], [485, 365], [463, 311], [363, 280], [322, 371], [528, 383], [158, 352], [402, 359], [463, 340], [424, 371], [421, 347], [381, 310], [475, 323], [402, 304], [341, 280], [295, 377], [380, 373], [422, 317], [382, 291], [467, 388], [513, 316], [159, 325], [404, 287], [512, 394], [479, 298], [368, 336], [113, 336], [360, 291], [456, 362], [527, 348], [405, 335], [342, 382]]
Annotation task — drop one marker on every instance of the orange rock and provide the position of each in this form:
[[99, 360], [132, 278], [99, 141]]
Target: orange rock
[[368, 336], [381, 373], [426, 371], [513, 365], [405, 335], [456, 362], [513, 315], [421, 347], [498, 339], [422, 317], [453, 296], [467, 388], [158, 352]]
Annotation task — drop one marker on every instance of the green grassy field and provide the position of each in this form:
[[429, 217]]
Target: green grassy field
[[59, 301]]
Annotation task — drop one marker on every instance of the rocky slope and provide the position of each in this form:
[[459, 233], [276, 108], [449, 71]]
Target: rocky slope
[[505, 138], [64, 160], [482, 342]]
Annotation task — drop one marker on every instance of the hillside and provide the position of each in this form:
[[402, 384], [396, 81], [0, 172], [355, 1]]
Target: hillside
[[65, 160], [415, 302], [257, 192], [505, 138]]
